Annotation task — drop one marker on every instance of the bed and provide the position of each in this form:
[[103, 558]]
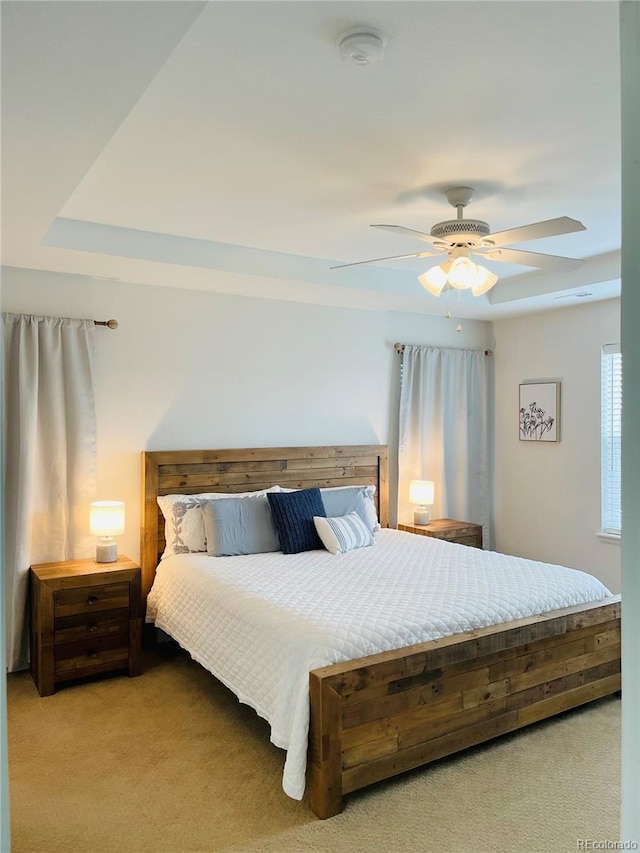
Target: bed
[[371, 716]]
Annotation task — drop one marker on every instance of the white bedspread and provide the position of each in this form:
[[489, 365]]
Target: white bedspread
[[260, 623]]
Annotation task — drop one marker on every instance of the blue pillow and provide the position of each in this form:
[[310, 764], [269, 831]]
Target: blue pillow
[[293, 514], [239, 526], [342, 500]]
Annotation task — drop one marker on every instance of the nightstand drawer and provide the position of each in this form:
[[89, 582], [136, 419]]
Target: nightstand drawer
[[86, 619], [73, 660], [86, 599], [88, 626]]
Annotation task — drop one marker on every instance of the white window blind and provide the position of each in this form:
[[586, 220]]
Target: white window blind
[[611, 434]]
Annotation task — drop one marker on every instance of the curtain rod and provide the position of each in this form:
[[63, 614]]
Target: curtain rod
[[110, 324], [399, 348]]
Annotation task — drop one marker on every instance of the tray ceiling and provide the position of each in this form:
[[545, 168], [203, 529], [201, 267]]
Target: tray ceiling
[[228, 146]]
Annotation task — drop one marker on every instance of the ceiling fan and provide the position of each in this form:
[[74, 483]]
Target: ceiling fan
[[460, 238]]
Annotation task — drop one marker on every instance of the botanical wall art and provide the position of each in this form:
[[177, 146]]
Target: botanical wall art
[[540, 411]]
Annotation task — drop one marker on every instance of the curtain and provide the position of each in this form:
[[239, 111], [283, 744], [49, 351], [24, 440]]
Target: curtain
[[49, 455], [445, 432]]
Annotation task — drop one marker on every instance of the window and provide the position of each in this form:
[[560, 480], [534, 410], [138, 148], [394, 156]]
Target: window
[[611, 407]]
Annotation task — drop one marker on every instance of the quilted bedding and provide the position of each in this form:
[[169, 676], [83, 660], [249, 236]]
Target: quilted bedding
[[261, 622]]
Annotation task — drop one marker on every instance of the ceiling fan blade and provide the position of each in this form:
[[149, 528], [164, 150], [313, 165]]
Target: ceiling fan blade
[[409, 232], [548, 228], [553, 263], [390, 258]]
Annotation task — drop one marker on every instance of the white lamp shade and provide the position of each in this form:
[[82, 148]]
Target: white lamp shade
[[462, 274], [421, 492], [433, 280], [484, 281], [106, 518]]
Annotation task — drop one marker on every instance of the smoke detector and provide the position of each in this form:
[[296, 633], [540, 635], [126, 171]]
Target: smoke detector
[[361, 46]]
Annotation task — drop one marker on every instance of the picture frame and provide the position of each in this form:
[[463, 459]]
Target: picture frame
[[539, 411]]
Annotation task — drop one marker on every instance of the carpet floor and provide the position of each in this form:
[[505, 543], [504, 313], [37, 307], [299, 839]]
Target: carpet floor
[[171, 763]]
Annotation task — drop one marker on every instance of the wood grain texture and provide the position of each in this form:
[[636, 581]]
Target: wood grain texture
[[458, 532], [377, 716], [401, 709], [85, 620], [238, 470]]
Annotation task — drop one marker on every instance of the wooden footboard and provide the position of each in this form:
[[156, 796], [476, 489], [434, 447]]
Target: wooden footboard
[[375, 717], [378, 716]]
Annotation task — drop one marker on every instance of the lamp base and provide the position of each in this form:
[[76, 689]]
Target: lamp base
[[107, 550], [421, 516]]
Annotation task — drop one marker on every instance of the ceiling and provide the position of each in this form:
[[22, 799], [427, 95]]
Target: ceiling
[[227, 146]]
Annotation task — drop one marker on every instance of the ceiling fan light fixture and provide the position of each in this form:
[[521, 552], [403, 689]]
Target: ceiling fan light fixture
[[460, 273], [461, 237], [435, 279], [484, 281], [463, 273]]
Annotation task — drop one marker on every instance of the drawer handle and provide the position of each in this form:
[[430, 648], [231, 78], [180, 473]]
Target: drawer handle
[[92, 626], [92, 599]]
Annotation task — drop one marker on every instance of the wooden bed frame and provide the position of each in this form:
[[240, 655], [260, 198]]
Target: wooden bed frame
[[377, 716]]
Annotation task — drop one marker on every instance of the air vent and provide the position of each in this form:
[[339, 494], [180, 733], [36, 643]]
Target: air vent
[[453, 228]]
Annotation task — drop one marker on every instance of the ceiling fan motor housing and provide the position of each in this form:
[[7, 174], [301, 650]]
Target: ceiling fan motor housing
[[461, 230]]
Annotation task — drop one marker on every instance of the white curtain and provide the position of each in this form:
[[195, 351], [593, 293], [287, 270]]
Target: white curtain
[[49, 455], [445, 432]]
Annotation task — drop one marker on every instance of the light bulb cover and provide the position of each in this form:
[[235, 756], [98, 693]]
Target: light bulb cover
[[462, 274], [459, 272], [434, 280], [484, 281]]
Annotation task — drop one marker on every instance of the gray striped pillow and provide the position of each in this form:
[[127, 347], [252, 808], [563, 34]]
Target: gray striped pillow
[[344, 533]]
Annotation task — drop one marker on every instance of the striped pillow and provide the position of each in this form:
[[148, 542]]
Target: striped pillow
[[344, 533]]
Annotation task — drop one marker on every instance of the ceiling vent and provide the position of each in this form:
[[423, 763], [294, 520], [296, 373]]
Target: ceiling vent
[[361, 46]]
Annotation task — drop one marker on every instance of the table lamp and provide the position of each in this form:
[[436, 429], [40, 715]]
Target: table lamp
[[106, 520], [421, 492]]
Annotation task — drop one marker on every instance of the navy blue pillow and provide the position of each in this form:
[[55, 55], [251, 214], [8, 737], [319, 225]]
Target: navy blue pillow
[[292, 514]]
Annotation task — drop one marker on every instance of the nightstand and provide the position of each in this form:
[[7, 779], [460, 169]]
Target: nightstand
[[86, 619], [460, 532]]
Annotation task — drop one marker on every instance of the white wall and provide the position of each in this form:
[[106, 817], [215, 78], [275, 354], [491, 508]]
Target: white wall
[[191, 369], [547, 495]]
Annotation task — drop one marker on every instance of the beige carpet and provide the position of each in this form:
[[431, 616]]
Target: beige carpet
[[171, 763]]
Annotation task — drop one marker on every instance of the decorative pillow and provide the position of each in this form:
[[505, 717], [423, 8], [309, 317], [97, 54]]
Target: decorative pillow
[[239, 526], [343, 534], [293, 514], [340, 500], [184, 526]]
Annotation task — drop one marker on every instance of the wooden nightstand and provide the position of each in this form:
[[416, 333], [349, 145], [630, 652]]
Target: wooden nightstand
[[460, 532], [86, 619]]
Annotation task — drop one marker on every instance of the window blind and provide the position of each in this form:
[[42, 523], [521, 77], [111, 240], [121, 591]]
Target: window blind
[[611, 435]]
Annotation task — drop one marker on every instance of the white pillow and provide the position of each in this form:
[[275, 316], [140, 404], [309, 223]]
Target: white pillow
[[344, 533], [184, 523]]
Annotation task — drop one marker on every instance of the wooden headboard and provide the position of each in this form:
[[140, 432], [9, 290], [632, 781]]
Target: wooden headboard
[[188, 472]]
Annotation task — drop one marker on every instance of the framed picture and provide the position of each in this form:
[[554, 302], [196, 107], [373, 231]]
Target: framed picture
[[539, 415]]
